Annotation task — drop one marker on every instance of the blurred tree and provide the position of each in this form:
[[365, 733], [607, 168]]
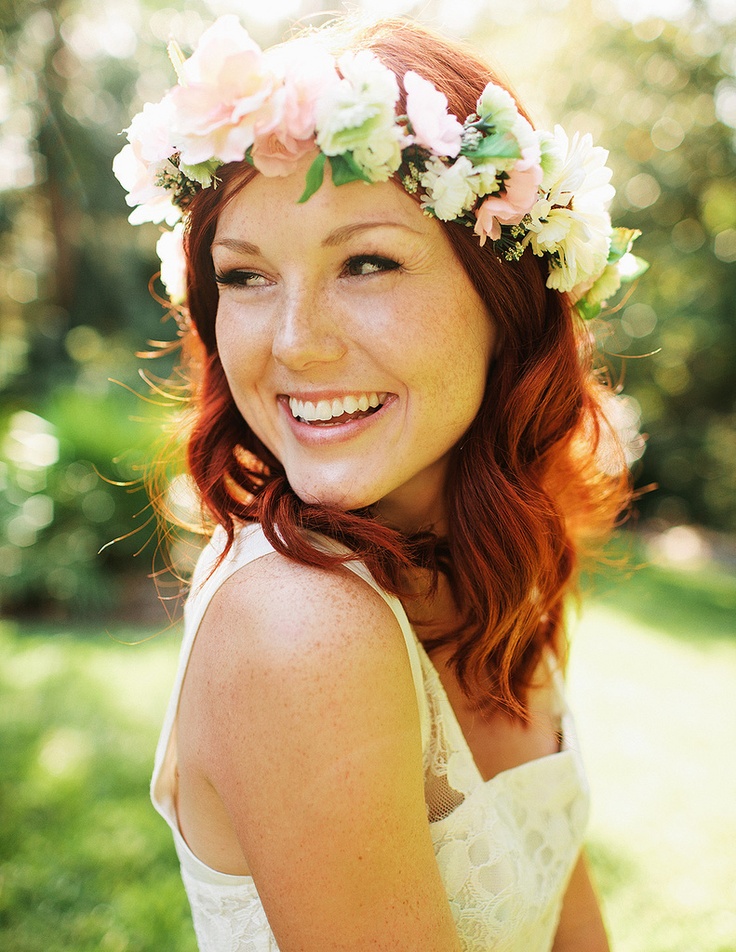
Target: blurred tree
[[666, 94], [75, 306]]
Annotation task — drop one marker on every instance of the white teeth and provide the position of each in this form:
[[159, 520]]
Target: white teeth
[[325, 410]]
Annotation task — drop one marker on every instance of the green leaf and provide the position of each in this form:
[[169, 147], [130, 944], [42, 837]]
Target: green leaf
[[621, 241], [177, 60], [315, 177], [494, 147], [203, 172], [587, 311], [345, 169]]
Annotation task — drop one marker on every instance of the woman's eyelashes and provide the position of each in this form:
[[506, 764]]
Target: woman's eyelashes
[[240, 279], [360, 266], [357, 266]]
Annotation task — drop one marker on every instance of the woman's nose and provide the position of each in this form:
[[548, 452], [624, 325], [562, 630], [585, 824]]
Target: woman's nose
[[307, 332]]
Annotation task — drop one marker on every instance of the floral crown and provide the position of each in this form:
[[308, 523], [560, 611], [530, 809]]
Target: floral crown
[[513, 185]]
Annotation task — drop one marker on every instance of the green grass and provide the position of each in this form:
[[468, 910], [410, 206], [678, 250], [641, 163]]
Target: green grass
[[85, 863], [652, 681]]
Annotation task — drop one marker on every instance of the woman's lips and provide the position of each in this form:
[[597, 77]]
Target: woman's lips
[[337, 422]]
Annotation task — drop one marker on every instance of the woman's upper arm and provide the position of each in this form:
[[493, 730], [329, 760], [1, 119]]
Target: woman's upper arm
[[314, 748], [581, 927]]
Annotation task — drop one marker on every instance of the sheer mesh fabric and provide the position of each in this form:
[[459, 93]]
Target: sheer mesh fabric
[[505, 848]]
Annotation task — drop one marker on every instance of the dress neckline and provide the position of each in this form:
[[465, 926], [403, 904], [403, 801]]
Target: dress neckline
[[459, 736]]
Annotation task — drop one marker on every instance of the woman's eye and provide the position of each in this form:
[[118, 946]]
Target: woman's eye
[[362, 265], [241, 279]]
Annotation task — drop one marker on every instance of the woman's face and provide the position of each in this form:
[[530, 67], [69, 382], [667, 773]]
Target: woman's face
[[354, 344]]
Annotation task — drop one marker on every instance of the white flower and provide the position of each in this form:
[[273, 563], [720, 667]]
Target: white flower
[[357, 115], [151, 130], [139, 179], [485, 179], [584, 177], [141, 163], [622, 442], [170, 249], [528, 141], [571, 223], [551, 158], [496, 105], [448, 187]]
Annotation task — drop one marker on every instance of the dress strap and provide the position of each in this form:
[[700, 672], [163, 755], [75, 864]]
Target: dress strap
[[412, 647]]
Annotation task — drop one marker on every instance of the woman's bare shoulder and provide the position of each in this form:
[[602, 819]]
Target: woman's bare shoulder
[[274, 609], [283, 644]]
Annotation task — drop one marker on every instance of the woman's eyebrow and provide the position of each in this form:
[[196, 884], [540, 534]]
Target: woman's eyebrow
[[237, 244], [336, 237], [340, 235]]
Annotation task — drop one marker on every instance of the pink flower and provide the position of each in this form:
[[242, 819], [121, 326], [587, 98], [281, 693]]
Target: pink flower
[[278, 154], [518, 199], [306, 73], [224, 96], [433, 127]]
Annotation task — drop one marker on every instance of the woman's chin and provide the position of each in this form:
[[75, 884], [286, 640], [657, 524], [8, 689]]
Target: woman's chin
[[333, 497]]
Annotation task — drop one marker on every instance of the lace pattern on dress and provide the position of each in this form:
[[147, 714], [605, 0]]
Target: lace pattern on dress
[[505, 847]]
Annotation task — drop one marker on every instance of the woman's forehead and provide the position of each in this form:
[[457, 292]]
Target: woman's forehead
[[271, 205]]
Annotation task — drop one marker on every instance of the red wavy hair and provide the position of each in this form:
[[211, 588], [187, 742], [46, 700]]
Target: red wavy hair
[[525, 495]]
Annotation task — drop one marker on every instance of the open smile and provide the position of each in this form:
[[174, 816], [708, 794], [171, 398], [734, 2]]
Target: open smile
[[336, 411]]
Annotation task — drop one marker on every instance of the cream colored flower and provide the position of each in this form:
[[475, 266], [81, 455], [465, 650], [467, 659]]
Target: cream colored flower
[[571, 222], [449, 192], [357, 115], [496, 105]]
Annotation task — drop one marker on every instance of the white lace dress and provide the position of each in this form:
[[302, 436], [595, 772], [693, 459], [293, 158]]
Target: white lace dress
[[505, 847]]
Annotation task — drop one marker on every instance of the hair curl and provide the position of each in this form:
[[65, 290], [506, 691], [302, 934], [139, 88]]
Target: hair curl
[[525, 494]]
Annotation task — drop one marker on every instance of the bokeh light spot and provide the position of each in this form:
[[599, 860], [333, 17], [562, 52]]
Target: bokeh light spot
[[642, 190], [688, 235], [724, 245]]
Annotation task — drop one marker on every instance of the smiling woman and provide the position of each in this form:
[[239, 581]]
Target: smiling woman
[[399, 434], [309, 301]]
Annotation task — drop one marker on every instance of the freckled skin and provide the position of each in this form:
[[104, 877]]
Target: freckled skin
[[307, 322]]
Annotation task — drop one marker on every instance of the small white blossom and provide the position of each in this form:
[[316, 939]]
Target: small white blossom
[[357, 115], [448, 187], [484, 180]]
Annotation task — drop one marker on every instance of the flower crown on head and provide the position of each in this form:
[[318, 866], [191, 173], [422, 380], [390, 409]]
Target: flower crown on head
[[493, 172]]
